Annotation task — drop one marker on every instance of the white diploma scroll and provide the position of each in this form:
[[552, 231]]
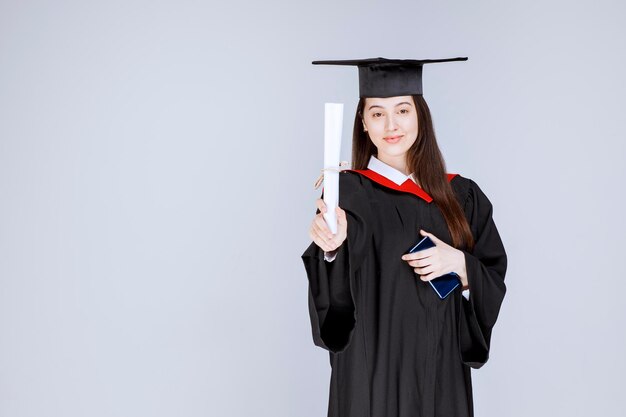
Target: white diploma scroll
[[333, 126]]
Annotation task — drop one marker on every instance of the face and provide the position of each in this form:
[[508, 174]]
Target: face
[[391, 123]]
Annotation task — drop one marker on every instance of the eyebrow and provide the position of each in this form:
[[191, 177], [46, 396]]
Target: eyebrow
[[399, 104]]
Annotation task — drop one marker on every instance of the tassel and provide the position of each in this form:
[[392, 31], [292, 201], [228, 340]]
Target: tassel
[[343, 165]]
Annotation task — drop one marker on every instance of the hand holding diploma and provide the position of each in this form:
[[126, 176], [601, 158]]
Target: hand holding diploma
[[321, 234], [329, 228]]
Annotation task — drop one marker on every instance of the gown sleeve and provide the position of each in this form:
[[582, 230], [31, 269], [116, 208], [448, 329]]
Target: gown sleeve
[[486, 266], [332, 297]]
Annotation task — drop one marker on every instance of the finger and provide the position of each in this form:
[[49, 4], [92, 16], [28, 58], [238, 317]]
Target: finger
[[319, 241], [321, 235], [422, 254], [342, 221], [419, 267], [427, 277], [324, 233], [322, 226], [315, 237], [321, 205], [434, 238], [426, 253], [419, 271], [409, 256], [425, 270], [332, 244], [321, 222], [323, 246], [335, 241], [419, 263]]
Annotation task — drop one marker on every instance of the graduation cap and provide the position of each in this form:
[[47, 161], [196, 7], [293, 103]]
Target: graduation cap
[[382, 77]]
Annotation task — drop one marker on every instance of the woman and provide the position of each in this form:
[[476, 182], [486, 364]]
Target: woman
[[396, 347]]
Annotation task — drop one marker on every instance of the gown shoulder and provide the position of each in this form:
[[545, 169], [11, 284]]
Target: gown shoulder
[[470, 194]]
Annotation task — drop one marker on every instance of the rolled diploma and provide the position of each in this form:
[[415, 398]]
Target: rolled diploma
[[333, 125]]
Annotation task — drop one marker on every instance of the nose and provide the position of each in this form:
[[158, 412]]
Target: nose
[[390, 123]]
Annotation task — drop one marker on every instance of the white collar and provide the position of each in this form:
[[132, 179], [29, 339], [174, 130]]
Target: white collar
[[388, 171]]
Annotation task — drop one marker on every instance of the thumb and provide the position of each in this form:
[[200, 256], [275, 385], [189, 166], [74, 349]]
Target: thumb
[[341, 215], [430, 235]]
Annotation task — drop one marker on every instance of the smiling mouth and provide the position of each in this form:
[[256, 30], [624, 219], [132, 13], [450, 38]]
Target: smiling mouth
[[393, 139]]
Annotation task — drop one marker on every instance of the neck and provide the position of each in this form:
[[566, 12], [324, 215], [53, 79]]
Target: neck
[[398, 162]]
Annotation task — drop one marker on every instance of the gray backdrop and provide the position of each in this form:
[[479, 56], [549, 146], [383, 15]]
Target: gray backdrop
[[156, 170]]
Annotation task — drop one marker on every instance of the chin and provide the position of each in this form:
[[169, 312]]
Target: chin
[[395, 147], [393, 152]]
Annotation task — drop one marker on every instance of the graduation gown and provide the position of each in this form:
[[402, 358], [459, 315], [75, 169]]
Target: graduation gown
[[397, 349]]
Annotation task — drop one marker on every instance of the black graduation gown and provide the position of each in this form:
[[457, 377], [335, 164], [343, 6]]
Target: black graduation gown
[[396, 349]]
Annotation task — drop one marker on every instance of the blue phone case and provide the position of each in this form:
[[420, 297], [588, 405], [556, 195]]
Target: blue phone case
[[444, 284]]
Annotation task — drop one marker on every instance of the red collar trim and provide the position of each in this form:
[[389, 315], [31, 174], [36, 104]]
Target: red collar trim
[[408, 186]]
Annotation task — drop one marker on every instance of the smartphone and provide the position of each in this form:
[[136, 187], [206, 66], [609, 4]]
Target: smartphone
[[444, 284]]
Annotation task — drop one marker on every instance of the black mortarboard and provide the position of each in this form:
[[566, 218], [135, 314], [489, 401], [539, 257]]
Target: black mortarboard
[[381, 77]]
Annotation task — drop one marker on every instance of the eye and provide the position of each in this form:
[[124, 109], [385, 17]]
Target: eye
[[374, 114], [405, 111]]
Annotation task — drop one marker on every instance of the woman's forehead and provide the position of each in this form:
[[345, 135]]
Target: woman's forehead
[[387, 101]]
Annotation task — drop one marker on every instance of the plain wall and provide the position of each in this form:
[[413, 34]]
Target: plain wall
[[157, 161]]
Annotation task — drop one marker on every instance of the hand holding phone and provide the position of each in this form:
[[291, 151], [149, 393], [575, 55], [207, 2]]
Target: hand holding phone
[[444, 284]]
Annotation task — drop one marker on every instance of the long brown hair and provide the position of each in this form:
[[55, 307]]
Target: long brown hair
[[426, 162]]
